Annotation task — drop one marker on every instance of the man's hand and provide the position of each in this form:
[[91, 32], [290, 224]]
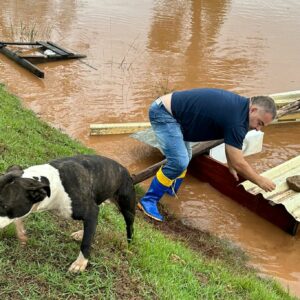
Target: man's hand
[[237, 162], [266, 184]]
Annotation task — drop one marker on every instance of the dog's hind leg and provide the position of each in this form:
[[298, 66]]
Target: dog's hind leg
[[89, 229], [126, 201]]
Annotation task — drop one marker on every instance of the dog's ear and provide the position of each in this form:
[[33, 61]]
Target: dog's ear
[[37, 190], [10, 177], [14, 168]]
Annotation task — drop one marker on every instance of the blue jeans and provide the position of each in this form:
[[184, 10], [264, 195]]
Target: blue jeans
[[170, 138]]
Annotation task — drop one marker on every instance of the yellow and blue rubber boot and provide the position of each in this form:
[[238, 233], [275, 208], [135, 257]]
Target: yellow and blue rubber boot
[[173, 189], [159, 185]]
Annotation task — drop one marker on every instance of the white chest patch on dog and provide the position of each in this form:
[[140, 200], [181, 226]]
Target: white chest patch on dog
[[4, 221], [59, 201]]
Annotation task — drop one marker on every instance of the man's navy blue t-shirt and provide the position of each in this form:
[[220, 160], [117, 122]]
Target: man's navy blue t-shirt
[[210, 114]]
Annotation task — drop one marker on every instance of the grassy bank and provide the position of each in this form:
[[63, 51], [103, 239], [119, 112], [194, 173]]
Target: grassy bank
[[155, 266]]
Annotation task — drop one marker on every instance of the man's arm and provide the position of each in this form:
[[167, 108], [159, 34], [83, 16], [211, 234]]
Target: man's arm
[[231, 168], [237, 162]]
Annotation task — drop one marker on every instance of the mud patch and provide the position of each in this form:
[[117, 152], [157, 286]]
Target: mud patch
[[202, 242]]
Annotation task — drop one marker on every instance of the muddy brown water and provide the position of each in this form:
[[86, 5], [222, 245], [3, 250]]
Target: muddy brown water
[[141, 49]]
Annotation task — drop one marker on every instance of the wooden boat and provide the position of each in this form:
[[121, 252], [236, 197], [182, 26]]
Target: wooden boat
[[280, 207]]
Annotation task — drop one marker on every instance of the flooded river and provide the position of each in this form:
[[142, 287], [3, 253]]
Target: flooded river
[[137, 50]]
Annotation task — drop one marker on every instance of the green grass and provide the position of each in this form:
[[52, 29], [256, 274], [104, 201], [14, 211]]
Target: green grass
[[154, 266]]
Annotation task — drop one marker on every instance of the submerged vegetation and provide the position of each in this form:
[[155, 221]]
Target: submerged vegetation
[[157, 265], [29, 31]]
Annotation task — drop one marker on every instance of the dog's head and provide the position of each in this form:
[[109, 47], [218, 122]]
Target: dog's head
[[18, 195]]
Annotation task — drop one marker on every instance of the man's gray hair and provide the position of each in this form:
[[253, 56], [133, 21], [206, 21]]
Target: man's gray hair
[[266, 103]]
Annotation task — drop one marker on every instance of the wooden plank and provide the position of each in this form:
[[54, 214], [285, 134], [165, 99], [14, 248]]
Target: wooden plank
[[198, 149], [23, 62], [45, 58], [20, 43], [71, 54], [209, 170], [28, 56], [282, 102], [118, 128], [285, 121], [60, 48], [290, 116], [52, 48]]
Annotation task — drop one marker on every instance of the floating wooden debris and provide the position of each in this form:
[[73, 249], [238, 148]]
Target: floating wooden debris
[[117, 128], [285, 101], [281, 207], [282, 99], [36, 53]]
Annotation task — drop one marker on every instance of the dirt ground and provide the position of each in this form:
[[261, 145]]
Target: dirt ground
[[202, 242]]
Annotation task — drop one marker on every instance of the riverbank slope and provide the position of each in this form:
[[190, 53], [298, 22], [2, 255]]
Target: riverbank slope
[[158, 265]]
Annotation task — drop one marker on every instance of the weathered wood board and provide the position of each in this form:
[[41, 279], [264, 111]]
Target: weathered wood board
[[118, 128]]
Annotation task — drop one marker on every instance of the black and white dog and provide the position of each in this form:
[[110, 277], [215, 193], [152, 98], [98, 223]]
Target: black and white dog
[[73, 187]]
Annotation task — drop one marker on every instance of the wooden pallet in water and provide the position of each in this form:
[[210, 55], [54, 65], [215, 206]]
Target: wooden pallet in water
[[36, 53]]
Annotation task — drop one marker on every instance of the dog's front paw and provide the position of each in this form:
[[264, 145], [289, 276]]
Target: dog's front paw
[[79, 265], [23, 239], [77, 236]]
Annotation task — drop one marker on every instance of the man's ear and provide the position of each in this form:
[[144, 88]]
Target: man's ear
[[253, 109], [37, 190]]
